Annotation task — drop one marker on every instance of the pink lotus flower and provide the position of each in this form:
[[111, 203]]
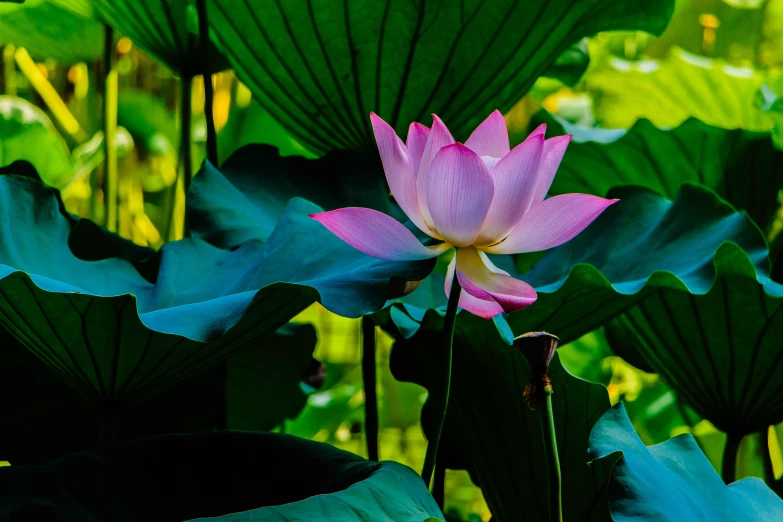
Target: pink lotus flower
[[479, 197]]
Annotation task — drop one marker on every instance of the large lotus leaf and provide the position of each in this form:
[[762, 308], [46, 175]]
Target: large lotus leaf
[[491, 431], [253, 124], [28, 134], [159, 27], [743, 167], [672, 481], [245, 198], [115, 336], [80, 7], [256, 389], [184, 477], [719, 351], [320, 67], [638, 245], [670, 91], [47, 30]]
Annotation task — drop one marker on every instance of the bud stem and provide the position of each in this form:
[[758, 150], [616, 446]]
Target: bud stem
[[448, 329], [553, 460]]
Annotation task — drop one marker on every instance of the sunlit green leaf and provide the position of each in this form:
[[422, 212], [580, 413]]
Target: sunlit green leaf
[[47, 30], [669, 91], [321, 67], [28, 134]]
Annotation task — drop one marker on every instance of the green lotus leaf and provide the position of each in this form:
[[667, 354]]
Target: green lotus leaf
[[256, 389], [743, 167], [670, 91], [80, 7], [672, 481], [719, 351], [643, 243], [160, 29], [47, 30], [245, 198], [320, 67], [116, 336], [491, 431], [28, 134], [233, 476]]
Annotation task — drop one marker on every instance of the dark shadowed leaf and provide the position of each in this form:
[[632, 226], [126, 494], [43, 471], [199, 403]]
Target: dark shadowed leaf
[[159, 27], [491, 431], [672, 481], [743, 167], [186, 477], [719, 351], [43, 418], [116, 336], [321, 67]]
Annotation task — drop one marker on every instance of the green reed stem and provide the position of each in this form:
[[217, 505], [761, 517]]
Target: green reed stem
[[110, 178]]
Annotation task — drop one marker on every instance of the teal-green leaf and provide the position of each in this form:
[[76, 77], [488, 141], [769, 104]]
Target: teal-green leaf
[[111, 333], [255, 476], [743, 167], [28, 134], [244, 199], [643, 243], [491, 431], [159, 27], [47, 30], [320, 67], [673, 481]]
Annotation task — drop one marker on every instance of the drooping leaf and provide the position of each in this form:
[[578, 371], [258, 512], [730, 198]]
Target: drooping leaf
[[186, 477], [28, 134], [719, 351], [491, 431], [159, 27], [112, 334], [47, 30], [43, 418], [672, 90], [743, 167], [672, 481], [244, 200], [642, 243], [320, 67]]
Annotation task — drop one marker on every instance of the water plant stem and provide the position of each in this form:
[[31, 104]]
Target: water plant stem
[[186, 123], [445, 381], [209, 95], [110, 178], [369, 378], [729, 465], [552, 459]]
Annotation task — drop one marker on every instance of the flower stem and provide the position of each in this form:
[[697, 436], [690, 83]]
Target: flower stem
[[448, 329], [553, 460], [369, 373], [729, 464], [110, 178], [203, 28]]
